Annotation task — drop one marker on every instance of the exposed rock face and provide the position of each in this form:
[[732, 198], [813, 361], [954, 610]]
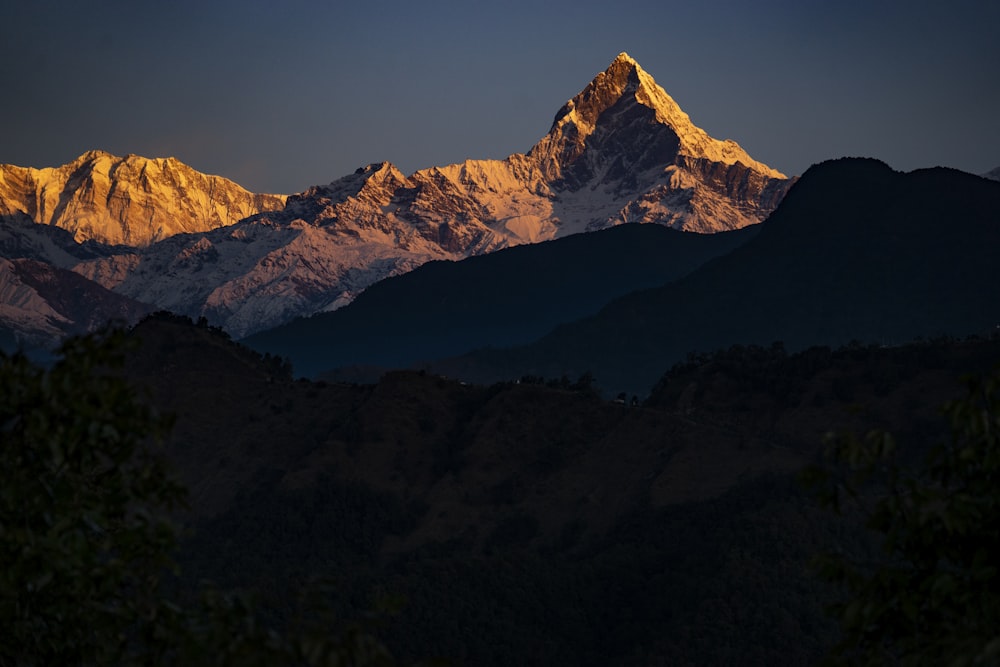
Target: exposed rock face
[[621, 151], [131, 200]]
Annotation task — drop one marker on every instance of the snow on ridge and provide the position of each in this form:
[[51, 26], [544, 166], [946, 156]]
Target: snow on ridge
[[131, 200], [695, 140]]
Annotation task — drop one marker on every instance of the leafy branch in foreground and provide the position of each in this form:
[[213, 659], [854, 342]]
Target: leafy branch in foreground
[[933, 595], [86, 542], [84, 535]]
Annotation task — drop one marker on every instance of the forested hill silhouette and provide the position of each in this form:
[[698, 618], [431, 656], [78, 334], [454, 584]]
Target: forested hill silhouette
[[855, 251], [509, 297]]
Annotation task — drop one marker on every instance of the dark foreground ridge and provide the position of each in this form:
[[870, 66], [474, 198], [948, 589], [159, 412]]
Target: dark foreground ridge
[[535, 523]]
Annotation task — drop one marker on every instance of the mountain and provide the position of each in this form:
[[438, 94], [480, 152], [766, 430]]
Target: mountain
[[508, 297], [620, 151], [131, 200], [855, 251], [993, 175]]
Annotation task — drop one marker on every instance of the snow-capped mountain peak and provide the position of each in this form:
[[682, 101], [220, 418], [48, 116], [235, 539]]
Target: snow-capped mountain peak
[[624, 91]]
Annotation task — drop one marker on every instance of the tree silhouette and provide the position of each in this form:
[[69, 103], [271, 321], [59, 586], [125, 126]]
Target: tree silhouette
[[86, 542], [932, 596]]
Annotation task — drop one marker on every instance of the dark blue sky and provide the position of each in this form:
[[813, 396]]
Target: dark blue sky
[[280, 96]]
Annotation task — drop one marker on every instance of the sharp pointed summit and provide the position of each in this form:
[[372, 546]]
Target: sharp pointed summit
[[625, 100]]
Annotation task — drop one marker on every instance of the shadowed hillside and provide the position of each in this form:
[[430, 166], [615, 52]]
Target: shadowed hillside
[[535, 523]]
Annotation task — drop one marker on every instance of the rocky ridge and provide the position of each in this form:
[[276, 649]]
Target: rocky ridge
[[127, 200]]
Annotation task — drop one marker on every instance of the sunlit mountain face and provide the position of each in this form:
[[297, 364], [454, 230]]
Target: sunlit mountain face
[[132, 201]]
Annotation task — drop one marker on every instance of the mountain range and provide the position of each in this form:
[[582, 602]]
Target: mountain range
[[163, 235]]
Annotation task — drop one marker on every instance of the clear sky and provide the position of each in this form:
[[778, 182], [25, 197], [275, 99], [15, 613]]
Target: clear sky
[[279, 96]]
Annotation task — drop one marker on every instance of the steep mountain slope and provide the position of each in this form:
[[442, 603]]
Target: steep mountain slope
[[40, 303], [131, 200], [854, 251], [620, 151], [993, 174], [508, 297]]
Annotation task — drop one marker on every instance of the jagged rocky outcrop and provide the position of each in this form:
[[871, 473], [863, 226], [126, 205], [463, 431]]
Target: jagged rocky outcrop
[[127, 200], [621, 151]]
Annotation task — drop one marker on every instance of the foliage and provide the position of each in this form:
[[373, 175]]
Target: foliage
[[84, 538], [933, 596], [585, 383], [226, 630], [86, 542], [653, 586]]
